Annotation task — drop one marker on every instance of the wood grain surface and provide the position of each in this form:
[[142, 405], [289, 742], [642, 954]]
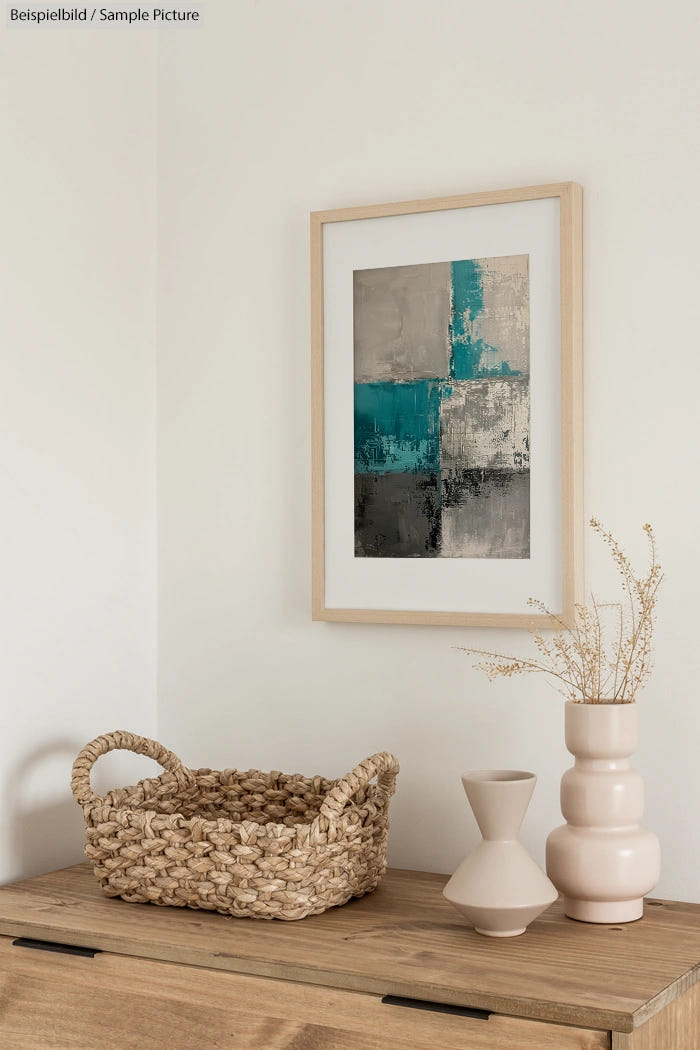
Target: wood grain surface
[[59, 1002], [676, 1028], [404, 939]]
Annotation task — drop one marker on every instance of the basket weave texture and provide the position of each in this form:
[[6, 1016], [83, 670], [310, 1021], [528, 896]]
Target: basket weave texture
[[263, 845]]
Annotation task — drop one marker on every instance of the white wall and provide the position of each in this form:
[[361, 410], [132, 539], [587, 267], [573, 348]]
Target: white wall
[[274, 109], [77, 435], [269, 110]]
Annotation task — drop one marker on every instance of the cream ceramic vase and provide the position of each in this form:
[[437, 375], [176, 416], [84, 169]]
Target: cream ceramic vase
[[601, 860], [498, 887]]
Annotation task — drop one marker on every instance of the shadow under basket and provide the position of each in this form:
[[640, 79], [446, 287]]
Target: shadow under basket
[[249, 844]]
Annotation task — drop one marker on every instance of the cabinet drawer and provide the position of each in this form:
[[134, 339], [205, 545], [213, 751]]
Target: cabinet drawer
[[51, 1001]]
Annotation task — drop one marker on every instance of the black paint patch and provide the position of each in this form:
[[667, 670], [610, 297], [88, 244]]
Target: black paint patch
[[397, 516]]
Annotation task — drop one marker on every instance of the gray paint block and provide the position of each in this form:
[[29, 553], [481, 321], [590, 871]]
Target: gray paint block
[[401, 322], [485, 423], [486, 514], [504, 322]]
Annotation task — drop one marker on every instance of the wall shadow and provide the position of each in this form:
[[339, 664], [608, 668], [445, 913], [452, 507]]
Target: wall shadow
[[45, 836]]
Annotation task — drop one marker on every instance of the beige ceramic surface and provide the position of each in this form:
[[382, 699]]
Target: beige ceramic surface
[[498, 887], [601, 861]]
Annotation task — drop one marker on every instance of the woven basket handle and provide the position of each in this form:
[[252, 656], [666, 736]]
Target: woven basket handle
[[383, 765], [122, 741]]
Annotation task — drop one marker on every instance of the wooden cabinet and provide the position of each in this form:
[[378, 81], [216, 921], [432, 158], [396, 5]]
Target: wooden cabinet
[[396, 970]]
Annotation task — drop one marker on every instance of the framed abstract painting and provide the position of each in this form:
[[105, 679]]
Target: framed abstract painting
[[447, 408]]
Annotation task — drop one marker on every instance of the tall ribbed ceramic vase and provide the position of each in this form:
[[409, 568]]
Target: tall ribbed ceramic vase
[[601, 860]]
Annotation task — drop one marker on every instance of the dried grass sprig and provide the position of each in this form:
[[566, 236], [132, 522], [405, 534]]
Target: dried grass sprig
[[605, 656]]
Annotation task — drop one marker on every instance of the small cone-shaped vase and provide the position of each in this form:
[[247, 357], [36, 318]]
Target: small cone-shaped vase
[[498, 887]]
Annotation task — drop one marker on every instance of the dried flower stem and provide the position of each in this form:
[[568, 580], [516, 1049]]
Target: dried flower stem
[[593, 661]]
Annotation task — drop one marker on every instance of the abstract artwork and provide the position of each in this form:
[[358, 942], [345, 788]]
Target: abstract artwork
[[446, 339], [442, 409]]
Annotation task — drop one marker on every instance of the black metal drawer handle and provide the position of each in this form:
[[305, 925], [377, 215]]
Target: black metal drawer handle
[[436, 1008], [50, 946]]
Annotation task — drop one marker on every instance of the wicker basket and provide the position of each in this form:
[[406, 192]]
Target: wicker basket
[[266, 845]]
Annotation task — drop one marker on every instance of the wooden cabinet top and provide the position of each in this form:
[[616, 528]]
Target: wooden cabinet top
[[404, 939]]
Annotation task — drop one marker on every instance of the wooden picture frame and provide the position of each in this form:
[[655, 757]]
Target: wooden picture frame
[[405, 301]]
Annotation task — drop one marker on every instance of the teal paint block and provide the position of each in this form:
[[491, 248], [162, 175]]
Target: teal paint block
[[467, 304], [486, 299], [397, 427]]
